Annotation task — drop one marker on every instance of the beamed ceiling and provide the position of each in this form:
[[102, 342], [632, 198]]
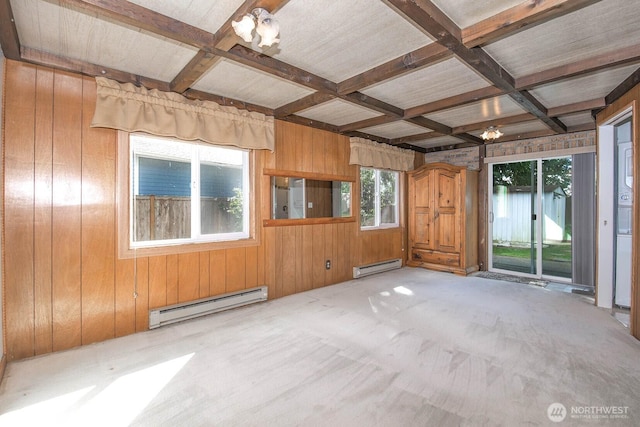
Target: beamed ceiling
[[420, 74]]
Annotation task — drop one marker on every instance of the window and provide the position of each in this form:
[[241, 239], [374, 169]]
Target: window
[[378, 198], [186, 192]]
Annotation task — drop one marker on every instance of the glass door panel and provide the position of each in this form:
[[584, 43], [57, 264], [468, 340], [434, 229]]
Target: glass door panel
[[514, 217], [556, 224], [525, 211]]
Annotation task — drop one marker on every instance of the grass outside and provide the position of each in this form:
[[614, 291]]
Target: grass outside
[[557, 252]]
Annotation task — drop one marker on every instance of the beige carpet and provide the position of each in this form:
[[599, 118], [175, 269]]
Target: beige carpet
[[405, 348]]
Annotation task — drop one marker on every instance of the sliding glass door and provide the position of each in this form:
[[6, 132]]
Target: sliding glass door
[[530, 218]]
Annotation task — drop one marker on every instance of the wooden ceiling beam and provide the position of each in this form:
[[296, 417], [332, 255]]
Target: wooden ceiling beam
[[500, 121], [224, 39], [520, 17], [577, 107], [373, 104], [308, 101], [606, 60], [9, 40], [47, 59], [427, 55], [454, 101], [229, 102], [269, 65], [363, 124], [127, 13], [416, 137], [623, 87], [428, 17], [310, 123]]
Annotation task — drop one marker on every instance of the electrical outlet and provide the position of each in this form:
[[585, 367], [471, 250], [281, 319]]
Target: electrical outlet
[[327, 264]]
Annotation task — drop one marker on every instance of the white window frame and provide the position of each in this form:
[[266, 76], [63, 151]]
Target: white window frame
[[377, 208], [186, 152]]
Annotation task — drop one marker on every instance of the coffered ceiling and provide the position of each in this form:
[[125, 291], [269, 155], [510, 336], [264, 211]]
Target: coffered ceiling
[[420, 74]]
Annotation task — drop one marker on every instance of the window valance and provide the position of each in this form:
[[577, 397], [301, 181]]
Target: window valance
[[382, 156], [131, 108]]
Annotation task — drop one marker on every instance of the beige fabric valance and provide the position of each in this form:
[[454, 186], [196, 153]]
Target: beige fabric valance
[[382, 156], [131, 108]]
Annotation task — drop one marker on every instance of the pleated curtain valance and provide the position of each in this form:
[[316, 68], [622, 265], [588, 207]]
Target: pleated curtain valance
[[136, 109], [381, 156]]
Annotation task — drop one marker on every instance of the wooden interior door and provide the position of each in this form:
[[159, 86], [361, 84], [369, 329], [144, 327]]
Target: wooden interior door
[[447, 214], [424, 212]]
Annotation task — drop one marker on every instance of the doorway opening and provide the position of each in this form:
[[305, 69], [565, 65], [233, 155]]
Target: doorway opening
[[615, 213]]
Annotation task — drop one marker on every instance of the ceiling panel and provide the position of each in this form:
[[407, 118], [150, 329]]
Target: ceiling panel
[[64, 32], [516, 131], [397, 129], [437, 142], [447, 78], [585, 88], [205, 14], [467, 12], [481, 111], [239, 82], [602, 27], [578, 119], [338, 113], [339, 39]]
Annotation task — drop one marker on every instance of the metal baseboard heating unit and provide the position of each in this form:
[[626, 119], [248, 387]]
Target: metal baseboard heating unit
[[179, 312], [379, 267]]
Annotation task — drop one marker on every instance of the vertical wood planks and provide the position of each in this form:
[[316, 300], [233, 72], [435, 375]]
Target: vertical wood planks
[[42, 211], [98, 225], [18, 209], [66, 220]]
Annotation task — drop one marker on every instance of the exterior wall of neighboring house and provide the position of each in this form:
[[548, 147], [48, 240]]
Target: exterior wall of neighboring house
[[512, 213]]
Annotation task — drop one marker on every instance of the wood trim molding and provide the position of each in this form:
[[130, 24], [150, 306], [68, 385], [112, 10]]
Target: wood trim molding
[[3, 366], [122, 212], [308, 175], [306, 221]]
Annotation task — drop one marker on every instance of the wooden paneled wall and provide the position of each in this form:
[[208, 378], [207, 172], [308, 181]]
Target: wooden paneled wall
[[63, 283], [631, 98]]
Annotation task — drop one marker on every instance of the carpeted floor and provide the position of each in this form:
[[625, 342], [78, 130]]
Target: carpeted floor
[[409, 347]]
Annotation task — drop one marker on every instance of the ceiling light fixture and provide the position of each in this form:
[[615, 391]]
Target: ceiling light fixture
[[264, 24], [491, 134]]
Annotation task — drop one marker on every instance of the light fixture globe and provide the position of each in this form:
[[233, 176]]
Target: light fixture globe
[[491, 133], [268, 27], [244, 28]]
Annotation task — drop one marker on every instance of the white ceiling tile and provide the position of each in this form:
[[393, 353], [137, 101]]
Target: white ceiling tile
[[397, 129], [338, 113], [239, 82], [339, 39], [468, 12], [205, 14], [602, 27], [592, 86], [444, 79], [46, 27], [481, 111]]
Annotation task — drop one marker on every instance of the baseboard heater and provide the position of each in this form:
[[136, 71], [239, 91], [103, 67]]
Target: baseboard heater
[[179, 312], [378, 267]]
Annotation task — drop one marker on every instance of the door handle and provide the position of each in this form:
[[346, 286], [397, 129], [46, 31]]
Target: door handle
[[491, 218], [534, 217]]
